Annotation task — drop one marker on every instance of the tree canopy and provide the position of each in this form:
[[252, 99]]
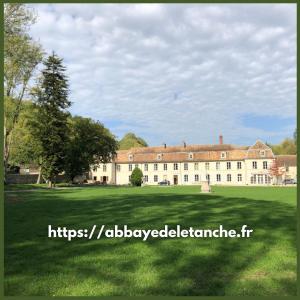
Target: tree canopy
[[136, 177], [21, 57], [130, 140], [89, 143], [286, 147], [24, 146]]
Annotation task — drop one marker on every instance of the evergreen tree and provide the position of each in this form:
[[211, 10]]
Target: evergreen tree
[[51, 122]]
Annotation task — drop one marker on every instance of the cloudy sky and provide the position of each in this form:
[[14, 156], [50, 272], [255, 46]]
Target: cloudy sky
[[173, 73]]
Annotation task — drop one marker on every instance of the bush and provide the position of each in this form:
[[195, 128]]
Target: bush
[[136, 177]]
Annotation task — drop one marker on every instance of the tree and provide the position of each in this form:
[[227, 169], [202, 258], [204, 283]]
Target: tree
[[130, 140], [21, 57], [295, 136], [89, 143], [50, 126], [136, 177], [275, 171], [17, 18], [286, 147], [23, 145]]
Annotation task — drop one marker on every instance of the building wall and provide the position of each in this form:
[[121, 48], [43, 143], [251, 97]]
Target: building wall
[[258, 175], [292, 172], [188, 173]]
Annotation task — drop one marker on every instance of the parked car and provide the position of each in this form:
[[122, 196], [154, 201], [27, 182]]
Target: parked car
[[289, 181], [164, 182]]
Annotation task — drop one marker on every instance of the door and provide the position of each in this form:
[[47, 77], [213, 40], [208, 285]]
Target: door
[[175, 179], [104, 179]]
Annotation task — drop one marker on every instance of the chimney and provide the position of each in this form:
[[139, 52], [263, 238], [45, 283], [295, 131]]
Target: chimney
[[220, 139]]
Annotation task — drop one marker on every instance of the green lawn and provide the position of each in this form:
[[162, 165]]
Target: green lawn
[[265, 264]]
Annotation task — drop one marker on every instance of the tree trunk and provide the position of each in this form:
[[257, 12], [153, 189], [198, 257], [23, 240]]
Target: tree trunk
[[50, 185], [39, 179]]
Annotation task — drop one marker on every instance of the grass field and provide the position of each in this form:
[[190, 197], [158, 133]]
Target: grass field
[[265, 264]]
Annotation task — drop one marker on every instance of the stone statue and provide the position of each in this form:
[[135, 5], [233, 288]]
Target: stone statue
[[205, 187]]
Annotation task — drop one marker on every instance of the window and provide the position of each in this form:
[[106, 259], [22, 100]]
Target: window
[[217, 166], [159, 156], [146, 178], [223, 154], [228, 177], [95, 169], [254, 164], [186, 178], [155, 167], [218, 177], [145, 167], [130, 157], [207, 177], [267, 179], [136, 165], [155, 178], [228, 165], [239, 164], [262, 153], [265, 165], [118, 168], [196, 166], [239, 177], [104, 168], [196, 177], [260, 178], [129, 167], [191, 155], [186, 166], [175, 166], [165, 167], [206, 166], [95, 178]]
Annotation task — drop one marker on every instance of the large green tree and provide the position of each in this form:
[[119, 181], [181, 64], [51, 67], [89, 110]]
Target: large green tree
[[21, 57], [130, 140], [50, 127], [89, 143]]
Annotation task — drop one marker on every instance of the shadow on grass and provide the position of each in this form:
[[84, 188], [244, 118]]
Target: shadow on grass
[[265, 264]]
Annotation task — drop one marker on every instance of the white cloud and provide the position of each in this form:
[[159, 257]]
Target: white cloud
[[176, 72]]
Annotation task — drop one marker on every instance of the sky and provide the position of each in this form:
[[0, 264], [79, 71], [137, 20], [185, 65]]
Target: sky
[[178, 72]]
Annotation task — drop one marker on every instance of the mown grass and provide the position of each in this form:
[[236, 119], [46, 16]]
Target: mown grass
[[265, 264]]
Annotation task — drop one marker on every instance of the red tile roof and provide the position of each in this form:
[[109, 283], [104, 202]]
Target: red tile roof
[[199, 153], [286, 160]]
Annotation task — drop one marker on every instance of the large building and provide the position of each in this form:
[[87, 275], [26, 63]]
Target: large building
[[191, 164]]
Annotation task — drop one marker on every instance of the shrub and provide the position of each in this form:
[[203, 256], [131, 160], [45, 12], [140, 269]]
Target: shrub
[[136, 177]]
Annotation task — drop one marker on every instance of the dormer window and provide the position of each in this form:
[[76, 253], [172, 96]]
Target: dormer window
[[262, 153], [191, 155], [159, 156], [223, 154], [130, 157]]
